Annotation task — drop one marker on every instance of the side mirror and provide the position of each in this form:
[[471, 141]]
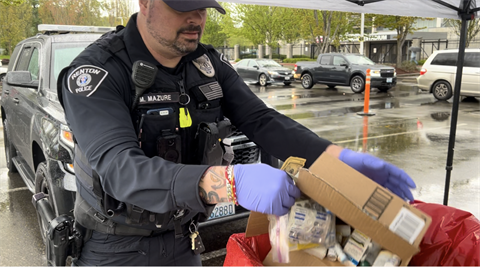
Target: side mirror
[[256, 67], [21, 79], [344, 65]]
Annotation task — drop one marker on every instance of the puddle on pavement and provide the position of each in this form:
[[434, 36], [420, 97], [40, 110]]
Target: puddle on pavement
[[389, 104]]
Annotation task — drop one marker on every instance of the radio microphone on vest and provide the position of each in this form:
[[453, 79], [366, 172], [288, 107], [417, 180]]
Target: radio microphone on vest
[[143, 76]]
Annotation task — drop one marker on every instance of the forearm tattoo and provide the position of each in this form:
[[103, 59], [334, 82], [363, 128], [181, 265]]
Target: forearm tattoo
[[212, 183]]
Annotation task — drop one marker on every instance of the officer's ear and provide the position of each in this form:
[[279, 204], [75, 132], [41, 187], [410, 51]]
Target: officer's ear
[[144, 6]]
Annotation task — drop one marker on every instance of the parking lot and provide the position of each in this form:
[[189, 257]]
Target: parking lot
[[409, 129]]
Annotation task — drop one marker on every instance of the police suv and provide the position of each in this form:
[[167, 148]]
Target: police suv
[[39, 145]]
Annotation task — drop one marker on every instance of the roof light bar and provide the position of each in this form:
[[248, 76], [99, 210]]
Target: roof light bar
[[73, 28]]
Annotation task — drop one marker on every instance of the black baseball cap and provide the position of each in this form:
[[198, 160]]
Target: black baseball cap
[[190, 5]]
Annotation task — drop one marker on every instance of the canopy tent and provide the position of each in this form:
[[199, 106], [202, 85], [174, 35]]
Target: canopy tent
[[464, 10], [414, 8]]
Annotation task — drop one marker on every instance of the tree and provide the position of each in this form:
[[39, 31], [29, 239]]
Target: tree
[[15, 17], [214, 33], [67, 12], [118, 11], [35, 21], [260, 24], [324, 28], [473, 28], [403, 26], [289, 27]]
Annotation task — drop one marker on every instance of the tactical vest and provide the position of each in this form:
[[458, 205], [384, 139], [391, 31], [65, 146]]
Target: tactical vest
[[201, 96]]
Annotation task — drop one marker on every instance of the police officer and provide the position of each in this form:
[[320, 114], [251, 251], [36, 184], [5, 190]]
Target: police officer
[[147, 104]]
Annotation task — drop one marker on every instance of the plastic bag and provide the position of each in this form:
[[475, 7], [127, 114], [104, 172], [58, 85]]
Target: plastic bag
[[453, 238], [246, 251]]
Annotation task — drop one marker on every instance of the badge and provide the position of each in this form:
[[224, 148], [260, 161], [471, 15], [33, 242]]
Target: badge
[[204, 65], [85, 80], [211, 91], [224, 59]]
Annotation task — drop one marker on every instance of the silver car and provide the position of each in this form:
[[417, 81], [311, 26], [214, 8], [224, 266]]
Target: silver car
[[438, 74]]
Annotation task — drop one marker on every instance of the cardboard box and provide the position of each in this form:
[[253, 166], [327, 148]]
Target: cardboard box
[[359, 202]]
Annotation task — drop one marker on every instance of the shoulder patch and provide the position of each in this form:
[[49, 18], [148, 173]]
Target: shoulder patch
[[204, 64], [224, 59], [86, 79]]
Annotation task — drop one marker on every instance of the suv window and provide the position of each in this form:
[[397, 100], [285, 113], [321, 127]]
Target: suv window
[[62, 55], [33, 66], [337, 61], [445, 59], [472, 60], [325, 60], [24, 59]]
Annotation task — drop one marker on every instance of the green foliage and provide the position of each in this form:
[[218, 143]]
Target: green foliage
[[118, 12], [403, 26], [15, 17], [299, 56], [248, 56], [295, 60], [276, 56], [473, 28], [331, 25], [260, 24], [67, 12], [421, 62], [409, 66], [213, 33], [11, 2]]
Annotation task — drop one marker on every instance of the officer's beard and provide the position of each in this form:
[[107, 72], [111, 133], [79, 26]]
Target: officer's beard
[[179, 45]]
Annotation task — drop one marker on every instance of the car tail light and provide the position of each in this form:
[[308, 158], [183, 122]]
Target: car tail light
[[423, 71], [295, 68]]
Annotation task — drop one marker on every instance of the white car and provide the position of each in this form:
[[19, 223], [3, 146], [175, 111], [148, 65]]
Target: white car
[[3, 72], [438, 74]]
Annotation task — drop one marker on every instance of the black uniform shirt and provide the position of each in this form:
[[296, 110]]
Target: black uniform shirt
[[104, 131]]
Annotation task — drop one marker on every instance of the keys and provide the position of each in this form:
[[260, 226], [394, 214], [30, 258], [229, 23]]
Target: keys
[[197, 243], [193, 236]]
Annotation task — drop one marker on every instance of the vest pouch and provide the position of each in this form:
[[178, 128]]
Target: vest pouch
[[209, 149], [152, 126]]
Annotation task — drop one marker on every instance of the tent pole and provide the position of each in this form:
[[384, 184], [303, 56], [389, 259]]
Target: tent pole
[[456, 103]]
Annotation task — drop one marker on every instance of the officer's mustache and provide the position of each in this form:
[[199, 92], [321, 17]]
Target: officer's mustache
[[190, 28]]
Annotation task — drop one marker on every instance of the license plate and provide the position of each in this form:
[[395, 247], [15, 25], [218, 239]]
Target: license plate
[[223, 209], [389, 80], [287, 78]]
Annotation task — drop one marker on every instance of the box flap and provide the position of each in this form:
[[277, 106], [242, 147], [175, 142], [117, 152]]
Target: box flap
[[359, 201], [257, 224]]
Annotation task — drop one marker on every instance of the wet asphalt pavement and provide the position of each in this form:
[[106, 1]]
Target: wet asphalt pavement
[[410, 129]]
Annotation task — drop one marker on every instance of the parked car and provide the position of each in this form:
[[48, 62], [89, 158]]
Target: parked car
[[263, 71], [439, 72], [3, 72], [345, 69], [39, 144]]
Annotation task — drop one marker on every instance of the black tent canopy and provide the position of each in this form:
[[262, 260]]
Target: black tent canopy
[[463, 10]]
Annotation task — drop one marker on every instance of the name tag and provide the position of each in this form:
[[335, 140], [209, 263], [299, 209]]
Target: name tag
[[154, 98]]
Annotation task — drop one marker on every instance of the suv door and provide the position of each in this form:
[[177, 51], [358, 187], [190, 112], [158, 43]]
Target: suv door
[[471, 74], [26, 97]]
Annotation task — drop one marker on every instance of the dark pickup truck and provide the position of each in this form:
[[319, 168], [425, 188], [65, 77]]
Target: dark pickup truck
[[39, 144], [346, 70]]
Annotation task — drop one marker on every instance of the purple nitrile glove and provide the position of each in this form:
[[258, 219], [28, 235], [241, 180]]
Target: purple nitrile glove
[[384, 173], [264, 189]]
